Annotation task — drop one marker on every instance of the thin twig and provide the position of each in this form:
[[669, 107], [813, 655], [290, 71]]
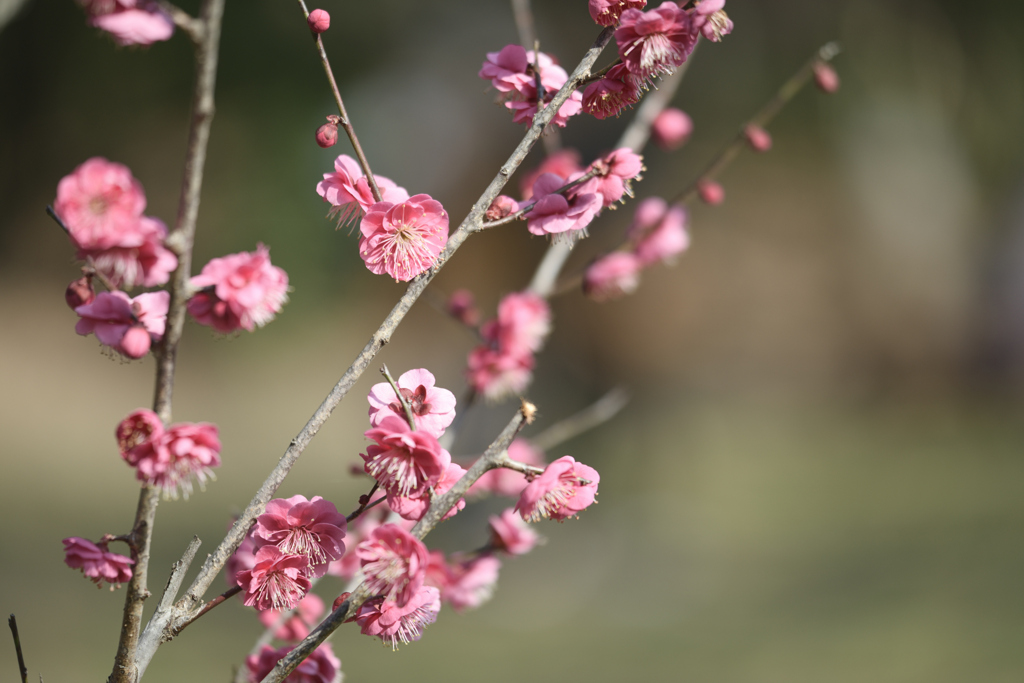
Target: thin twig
[[229, 593], [604, 409], [155, 632], [214, 563], [364, 503], [493, 457], [90, 265], [529, 207], [346, 122], [410, 417], [13, 623]]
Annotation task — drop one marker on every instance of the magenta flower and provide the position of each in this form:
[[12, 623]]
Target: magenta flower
[[96, 562], [655, 42], [141, 259], [433, 408], [277, 580], [710, 17], [238, 291], [466, 583], [319, 21], [506, 482], [358, 531], [524, 320], [511, 534], [244, 558], [711, 192], [394, 563], [612, 276], [415, 506], [502, 207], [320, 667], [296, 627], [405, 239], [129, 326], [659, 233], [130, 22], [609, 96], [556, 213], [101, 204], [606, 12], [403, 461], [494, 373], [564, 163], [394, 624], [462, 306], [171, 457], [565, 489], [671, 128], [513, 68], [298, 526], [614, 175], [348, 191]]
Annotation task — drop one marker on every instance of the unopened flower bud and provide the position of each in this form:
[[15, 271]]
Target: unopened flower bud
[[758, 138], [339, 600], [501, 207], [319, 21], [711, 192], [327, 135], [671, 128], [79, 292], [462, 307], [826, 78], [136, 342]]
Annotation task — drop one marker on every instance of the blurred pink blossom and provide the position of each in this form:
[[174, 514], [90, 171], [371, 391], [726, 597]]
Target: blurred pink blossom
[[405, 239], [130, 22], [96, 562], [564, 489], [433, 408], [658, 232], [112, 314], [612, 276], [238, 291], [758, 138], [276, 581], [671, 128], [711, 192], [462, 306], [394, 624], [465, 583], [296, 627], [495, 374], [511, 534], [296, 525], [320, 667], [394, 563]]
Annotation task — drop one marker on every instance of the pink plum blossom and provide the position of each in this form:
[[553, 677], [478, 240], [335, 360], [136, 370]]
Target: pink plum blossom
[[79, 292], [613, 177], [276, 581], [349, 193], [320, 667], [494, 373], [712, 21], [238, 291], [171, 457], [100, 203], [433, 408], [609, 96], [296, 627], [671, 128], [327, 135], [313, 528], [513, 67], [564, 163], [242, 559], [655, 42], [826, 78], [414, 507], [96, 562], [511, 534], [112, 315], [141, 258], [130, 22], [403, 461], [502, 207], [405, 239], [606, 12], [462, 306], [665, 240], [525, 109], [612, 276], [524, 320], [466, 583], [556, 213], [394, 563], [394, 624], [565, 489], [505, 482], [358, 531]]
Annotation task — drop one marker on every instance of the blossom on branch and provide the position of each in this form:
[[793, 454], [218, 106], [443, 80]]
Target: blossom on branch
[[238, 291], [171, 457], [606, 12], [671, 128], [433, 408], [613, 176], [129, 326], [655, 42], [610, 95], [612, 276], [565, 162], [320, 667], [405, 239], [511, 534], [298, 526], [276, 581], [556, 213], [403, 461], [415, 506], [502, 481], [130, 22], [514, 72], [96, 562], [565, 489], [394, 563], [658, 232], [712, 21], [395, 624], [349, 193], [504, 363]]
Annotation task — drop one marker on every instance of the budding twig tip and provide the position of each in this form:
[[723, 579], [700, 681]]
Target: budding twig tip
[[529, 411]]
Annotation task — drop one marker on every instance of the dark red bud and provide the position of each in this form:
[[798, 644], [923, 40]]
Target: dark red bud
[[340, 599], [327, 135], [79, 292]]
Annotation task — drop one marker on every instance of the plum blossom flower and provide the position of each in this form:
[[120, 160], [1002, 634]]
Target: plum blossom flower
[[403, 239], [523, 110], [349, 193], [242, 559], [394, 563], [502, 207], [511, 534], [462, 306], [712, 21], [394, 624], [610, 95], [403, 461], [710, 192], [505, 482], [320, 667], [671, 128], [100, 203], [658, 232], [319, 21], [613, 177], [565, 489], [564, 163], [276, 581], [296, 627], [504, 363], [655, 42], [433, 408], [514, 67], [168, 458], [238, 291], [612, 276], [414, 507], [79, 292], [97, 562], [494, 373], [141, 258], [130, 22], [358, 531], [313, 528], [466, 583], [606, 12], [554, 213], [129, 326]]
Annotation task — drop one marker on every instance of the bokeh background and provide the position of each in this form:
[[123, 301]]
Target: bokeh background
[[820, 475]]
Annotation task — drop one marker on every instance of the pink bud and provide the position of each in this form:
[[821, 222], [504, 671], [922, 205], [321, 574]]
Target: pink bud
[[319, 21], [711, 192], [462, 307], [826, 78], [79, 292], [339, 600], [758, 138], [501, 207], [671, 128], [327, 135], [135, 342]]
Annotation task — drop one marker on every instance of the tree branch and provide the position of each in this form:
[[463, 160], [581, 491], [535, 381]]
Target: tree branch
[[155, 631], [22, 669]]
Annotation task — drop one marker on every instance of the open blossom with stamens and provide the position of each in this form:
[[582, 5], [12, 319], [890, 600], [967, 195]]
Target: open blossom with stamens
[[349, 193], [403, 461], [140, 259], [320, 667], [394, 624], [558, 213], [563, 163], [656, 41], [609, 96], [505, 482], [394, 563], [612, 276], [710, 17], [405, 239], [565, 489], [414, 507], [130, 22], [96, 562], [313, 528], [464, 583], [433, 408], [129, 326], [296, 627], [511, 534], [168, 458], [606, 12], [514, 66], [613, 177], [238, 291], [277, 580]]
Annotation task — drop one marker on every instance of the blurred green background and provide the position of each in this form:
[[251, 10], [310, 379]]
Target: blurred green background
[[820, 475]]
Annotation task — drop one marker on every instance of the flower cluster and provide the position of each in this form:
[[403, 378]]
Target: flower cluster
[[348, 191], [238, 291], [516, 74], [503, 364], [320, 667], [168, 457], [130, 22], [97, 563], [657, 234]]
